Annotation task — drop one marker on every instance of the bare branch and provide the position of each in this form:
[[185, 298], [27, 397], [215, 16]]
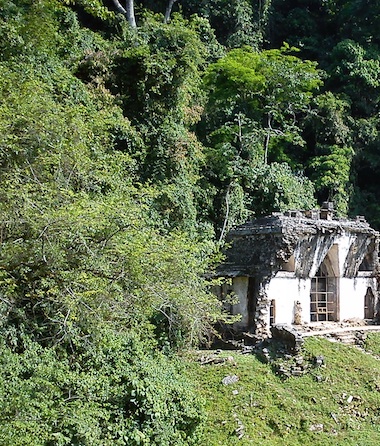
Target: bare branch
[[227, 198], [128, 11], [119, 7]]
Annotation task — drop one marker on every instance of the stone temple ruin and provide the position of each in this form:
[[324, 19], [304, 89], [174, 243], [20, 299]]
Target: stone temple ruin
[[301, 267]]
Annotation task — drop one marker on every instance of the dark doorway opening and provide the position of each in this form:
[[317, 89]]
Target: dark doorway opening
[[369, 304]]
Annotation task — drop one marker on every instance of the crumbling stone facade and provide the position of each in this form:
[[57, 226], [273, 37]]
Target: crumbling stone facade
[[299, 268]]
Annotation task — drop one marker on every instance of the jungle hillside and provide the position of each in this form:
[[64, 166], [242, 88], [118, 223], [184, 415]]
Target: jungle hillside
[[133, 136]]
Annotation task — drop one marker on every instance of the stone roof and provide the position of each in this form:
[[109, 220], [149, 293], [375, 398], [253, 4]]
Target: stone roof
[[300, 224], [259, 247]]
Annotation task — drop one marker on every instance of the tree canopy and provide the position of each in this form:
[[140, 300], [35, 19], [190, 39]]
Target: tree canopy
[[133, 136]]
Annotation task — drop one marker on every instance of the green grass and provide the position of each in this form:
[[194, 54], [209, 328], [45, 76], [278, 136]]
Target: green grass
[[372, 343], [277, 411]]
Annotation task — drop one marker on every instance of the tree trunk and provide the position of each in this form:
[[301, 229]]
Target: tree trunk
[[130, 13], [225, 223], [119, 7], [267, 137], [169, 10]]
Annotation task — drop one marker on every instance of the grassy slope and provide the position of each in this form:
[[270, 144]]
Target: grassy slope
[[275, 411]]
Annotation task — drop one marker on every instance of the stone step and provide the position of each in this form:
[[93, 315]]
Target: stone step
[[346, 337]]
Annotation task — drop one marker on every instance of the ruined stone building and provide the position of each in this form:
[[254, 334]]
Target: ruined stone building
[[300, 268]]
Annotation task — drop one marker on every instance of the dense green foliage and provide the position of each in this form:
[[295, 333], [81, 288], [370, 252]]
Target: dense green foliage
[[126, 153], [342, 36], [116, 393]]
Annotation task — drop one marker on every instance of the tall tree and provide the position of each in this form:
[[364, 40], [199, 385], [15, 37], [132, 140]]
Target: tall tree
[[265, 93], [256, 103]]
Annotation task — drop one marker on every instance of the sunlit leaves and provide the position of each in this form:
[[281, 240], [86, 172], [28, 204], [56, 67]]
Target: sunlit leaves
[[256, 104], [331, 174]]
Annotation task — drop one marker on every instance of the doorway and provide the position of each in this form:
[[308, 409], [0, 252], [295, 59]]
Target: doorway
[[323, 295], [369, 304]]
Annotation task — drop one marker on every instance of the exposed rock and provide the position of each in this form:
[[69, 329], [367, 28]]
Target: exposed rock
[[230, 379], [334, 417], [319, 360], [240, 430], [316, 427], [216, 359], [290, 337], [297, 371], [354, 322]]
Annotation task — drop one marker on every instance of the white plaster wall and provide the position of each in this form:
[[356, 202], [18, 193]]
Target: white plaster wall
[[240, 288], [352, 293], [286, 289]]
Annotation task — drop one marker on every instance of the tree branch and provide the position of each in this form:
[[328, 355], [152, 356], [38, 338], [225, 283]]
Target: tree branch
[[169, 10], [128, 11], [119, 7], [227, 198]]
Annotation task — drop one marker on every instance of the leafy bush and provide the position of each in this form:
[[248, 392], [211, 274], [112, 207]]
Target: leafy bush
[[117, 393]]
